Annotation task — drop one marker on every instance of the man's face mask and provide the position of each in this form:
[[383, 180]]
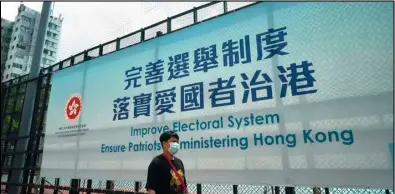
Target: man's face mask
[[173, 147]]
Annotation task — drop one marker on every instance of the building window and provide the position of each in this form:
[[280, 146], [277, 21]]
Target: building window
[[27, 19], [9, 66], [6, 76], [14, 75], [17, 65], [45, 51], [14, 37], [48, 33], [10, 56], [21, 46], [12, 48], [52, 53], [20, 56], [21, 37], [53, 26]]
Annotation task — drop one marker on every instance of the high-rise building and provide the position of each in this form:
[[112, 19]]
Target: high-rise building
[[23, 40], [6, 31]]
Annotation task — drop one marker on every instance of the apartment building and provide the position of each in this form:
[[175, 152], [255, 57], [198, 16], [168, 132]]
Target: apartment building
[[23, 40], [6, 32]]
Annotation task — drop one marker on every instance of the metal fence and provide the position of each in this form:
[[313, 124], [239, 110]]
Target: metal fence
[[12, 99]]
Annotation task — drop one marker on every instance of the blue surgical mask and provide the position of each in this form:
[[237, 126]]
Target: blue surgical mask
[[174, 147]]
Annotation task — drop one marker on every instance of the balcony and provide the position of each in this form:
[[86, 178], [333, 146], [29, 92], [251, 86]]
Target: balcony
[[23, 52], [25, 23], [51, 38], [53, 30], [50, 47], [23, 47], [48, 56]]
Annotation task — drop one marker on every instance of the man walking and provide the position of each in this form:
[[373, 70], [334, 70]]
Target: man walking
[[166, 173]]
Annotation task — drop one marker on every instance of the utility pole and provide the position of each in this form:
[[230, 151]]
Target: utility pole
[[18, 162]]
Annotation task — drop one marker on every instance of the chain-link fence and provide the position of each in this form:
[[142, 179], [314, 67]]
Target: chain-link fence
[[86, 186], [12, 99]]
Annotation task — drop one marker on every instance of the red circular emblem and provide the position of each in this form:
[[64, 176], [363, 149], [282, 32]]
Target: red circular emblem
[[73, 107]]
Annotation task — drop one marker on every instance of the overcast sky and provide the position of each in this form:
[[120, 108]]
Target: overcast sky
[[87, 24]]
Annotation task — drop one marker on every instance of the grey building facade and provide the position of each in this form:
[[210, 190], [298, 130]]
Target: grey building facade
[[23, 40], [6, 32]]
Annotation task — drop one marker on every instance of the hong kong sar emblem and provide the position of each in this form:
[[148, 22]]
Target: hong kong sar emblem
[[73, 107]]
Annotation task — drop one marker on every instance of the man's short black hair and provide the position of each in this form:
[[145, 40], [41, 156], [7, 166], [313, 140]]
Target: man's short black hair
[[165, 136]]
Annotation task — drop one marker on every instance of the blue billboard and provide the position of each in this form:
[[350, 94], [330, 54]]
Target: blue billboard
[[280, 93]]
